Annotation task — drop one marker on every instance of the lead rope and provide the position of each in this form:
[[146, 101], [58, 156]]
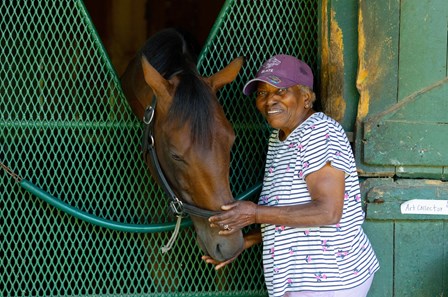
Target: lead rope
[[170, 243], [10, 172]]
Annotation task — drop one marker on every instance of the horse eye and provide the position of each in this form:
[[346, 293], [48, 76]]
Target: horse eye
[[176, 157]]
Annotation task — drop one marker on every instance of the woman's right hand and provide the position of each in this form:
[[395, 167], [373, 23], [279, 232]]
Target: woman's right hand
[[251, 238], [218, 264]]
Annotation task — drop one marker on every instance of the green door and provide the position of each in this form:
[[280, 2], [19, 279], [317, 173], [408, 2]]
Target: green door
[[402, 117], [402, 133]]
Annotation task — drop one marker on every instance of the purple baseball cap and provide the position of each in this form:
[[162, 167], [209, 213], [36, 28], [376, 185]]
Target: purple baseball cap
[[281, 71]]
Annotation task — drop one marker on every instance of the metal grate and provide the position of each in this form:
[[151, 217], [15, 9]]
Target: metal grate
[[66, 127]]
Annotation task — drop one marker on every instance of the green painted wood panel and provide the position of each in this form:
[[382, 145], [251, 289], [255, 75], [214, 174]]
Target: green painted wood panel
[[402, 47], [423, 44], [413, 257], [381, 235], [377, 80], [419, 171], [420, 258], [343, 14], [378, 44], [412, 132], [385, 196], [412, 248], [409, 143]]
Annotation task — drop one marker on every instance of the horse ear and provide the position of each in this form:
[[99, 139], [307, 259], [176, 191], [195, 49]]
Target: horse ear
[[226, 75], [160, 86]]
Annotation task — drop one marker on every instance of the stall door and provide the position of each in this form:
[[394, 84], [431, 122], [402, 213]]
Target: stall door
[[401, 142]]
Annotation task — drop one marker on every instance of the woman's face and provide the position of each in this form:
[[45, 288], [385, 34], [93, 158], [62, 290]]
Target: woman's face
[[284, 109]]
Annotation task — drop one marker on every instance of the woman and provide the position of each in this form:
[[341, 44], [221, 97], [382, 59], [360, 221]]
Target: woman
[[310, 205]]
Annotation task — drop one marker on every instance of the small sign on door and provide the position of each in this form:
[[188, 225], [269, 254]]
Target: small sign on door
[[425, 206]]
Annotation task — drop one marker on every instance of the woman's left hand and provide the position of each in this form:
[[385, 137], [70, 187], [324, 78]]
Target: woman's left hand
[[234, 217]]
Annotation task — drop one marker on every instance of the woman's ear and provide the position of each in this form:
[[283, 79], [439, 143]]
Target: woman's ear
[[306, 96]]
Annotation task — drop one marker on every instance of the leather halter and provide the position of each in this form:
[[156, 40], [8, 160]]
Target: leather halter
[[178, 207]]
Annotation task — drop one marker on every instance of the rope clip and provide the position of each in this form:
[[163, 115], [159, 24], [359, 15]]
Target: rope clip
[[177, 207]]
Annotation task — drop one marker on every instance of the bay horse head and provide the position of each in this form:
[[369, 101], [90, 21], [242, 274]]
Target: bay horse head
[[192, 136]]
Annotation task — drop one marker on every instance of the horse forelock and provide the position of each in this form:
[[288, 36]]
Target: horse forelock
[[169, 52], [193, 104]]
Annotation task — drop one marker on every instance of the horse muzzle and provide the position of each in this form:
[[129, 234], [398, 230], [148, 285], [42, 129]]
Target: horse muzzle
[[219, 247]]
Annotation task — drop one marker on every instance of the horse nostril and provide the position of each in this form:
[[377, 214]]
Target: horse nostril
[[219, 255]]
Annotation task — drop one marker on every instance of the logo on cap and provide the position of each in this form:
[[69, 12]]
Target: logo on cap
[[272, 62], [274, 79]]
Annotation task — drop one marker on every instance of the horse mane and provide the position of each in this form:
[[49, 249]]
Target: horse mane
[[170, 54]]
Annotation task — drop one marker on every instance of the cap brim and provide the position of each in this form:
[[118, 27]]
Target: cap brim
[[251, 85]]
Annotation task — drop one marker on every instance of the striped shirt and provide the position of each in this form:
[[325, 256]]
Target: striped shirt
[[325, 258]]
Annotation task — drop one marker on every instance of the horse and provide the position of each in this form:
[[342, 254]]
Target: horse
[[192, 137]]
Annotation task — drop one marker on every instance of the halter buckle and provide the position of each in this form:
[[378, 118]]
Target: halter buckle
[[177, 207]]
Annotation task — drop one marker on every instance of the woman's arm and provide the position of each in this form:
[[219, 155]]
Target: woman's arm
[[326, 187]]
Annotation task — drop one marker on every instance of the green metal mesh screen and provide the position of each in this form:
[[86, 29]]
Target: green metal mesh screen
[[66, 127]]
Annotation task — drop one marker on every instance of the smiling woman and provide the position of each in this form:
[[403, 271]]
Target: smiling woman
[[310, 208], [284, 108], [284, 94]]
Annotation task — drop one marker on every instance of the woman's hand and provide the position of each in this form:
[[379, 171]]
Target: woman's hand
[[251, 238], [235, 216], [218, 264]]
